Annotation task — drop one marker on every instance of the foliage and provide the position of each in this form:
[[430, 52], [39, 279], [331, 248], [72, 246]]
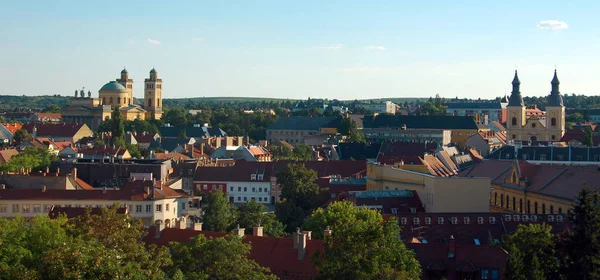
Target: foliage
[[300, 152], [357, 136], [21, 136], [34, 158], [141, 126], [117, 128], [362, 245], [588, 137], [580, 248], [52, 108], [530, 242], [515, 268], [219, 258], [176, 116], [299, 193], [219, 214], [575, 117], [133, 150], [253, 213]]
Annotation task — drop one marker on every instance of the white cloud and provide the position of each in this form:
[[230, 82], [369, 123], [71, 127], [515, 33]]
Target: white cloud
[[198, 39], [335, 47], [374, 48], [552, 25], [131, 41], [153, 42]]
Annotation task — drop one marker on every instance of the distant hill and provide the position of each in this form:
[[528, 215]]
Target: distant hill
[[42, 101]]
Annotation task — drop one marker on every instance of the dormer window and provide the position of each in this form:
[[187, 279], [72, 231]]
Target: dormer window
[[252, 176], [467, 220], [516, 218], [416, 220], [394, 210], [403, 220], [260, 177], [525, 218], [454, 220], [492, 220], [427, 220], [440, 220], [480, 220], [507, 218]]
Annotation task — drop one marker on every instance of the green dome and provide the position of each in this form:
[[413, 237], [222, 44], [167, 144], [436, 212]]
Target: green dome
[[124, 71], [153, 70], [113, 85]]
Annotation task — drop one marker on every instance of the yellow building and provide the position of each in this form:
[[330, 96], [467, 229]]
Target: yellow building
[[548, 127], [116, 94], [448, 194]]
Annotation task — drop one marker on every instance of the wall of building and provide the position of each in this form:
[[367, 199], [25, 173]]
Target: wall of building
[[242, 192], [289, 135]]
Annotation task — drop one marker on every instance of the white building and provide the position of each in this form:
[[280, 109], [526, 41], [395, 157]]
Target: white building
[[387, 107], [146, 200]]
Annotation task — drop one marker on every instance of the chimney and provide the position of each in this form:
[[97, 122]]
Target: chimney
[[198, 226], [104, 190], [57, 171], [74, 173], [257, 231], [451, 247], [159, 228], [147, 190], [327, 232], [296, 236], [34, 134], [44, 188], [239, 231], [181, 224], [301, 246], [2, 187], [308, 234], [47, 170]]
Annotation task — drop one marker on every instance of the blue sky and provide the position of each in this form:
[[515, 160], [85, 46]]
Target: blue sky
[[300, 49]]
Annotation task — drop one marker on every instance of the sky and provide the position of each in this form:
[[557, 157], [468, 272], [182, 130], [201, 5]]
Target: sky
[[299, 49]]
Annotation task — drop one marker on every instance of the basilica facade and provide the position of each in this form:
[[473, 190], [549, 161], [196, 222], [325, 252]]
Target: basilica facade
[[117, 94], [549, 126]]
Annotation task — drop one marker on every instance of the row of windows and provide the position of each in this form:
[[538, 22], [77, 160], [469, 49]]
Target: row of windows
[[110, 100], [151, 86], [239, 189], [552, 122], [520, 209], [150, 102], [287, 132], [245, 199], [158, 208]]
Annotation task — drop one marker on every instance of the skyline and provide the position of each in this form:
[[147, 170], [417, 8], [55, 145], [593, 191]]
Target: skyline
[[336, 49]]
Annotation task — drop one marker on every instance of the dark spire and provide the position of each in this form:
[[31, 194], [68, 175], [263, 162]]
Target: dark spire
[[516, 100], [555, 99]]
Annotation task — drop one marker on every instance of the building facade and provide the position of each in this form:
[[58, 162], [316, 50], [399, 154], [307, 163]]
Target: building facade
[[494, 110], [521, 127], [387, 107]]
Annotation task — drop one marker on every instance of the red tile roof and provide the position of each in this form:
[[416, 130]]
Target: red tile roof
[[55, 130], [172, 155], [144, 137], [50, 116], [5, 155], [277, 254], [12, 127]]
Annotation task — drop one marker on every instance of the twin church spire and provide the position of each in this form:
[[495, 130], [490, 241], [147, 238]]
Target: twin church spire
[[516, 99]]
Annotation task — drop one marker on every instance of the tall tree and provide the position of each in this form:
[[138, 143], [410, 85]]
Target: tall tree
[[219, 214], [300, 194], [580, 248], [535, 241], [362, 246], [21, 136], [219, 258], [588, 137], [117, 128], [515, 269], [253, 213]]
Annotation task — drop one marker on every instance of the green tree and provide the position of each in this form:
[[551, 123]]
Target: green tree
[[219, 214], [117, 128], [253, 213], [133, 150], [302, 152], [579, 249], [357, 136], [515, 269], [362, 246], [34, 158], [52, 108], [299, 193], [575, 117], [219, 258], [588, 137], [21, 136], [176, 116], [182, 134], [536, 271], [346, 125], [535, 241], [281, 152]]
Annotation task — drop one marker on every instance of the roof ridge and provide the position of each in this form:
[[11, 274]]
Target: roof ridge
[[553, 178]]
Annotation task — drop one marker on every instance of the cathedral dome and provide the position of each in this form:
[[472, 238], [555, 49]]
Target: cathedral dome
[[153, 70], [113, 86], [124, 71]]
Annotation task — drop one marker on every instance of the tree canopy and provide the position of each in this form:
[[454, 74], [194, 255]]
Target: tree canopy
[[34, 158], [529, 243], [362, 245], [219, 214]]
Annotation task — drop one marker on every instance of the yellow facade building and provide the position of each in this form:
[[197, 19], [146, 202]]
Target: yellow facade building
[[116, 94], [547, 127], [449, 194]]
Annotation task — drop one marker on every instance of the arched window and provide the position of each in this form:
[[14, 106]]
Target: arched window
[[110, 100], [118, 100], [521, 205], [157, 102], [514, 203], [528, 206], [496, 199], [543, 208], [149, 102], [514, 121], [515, 178], [103, 100], [560, 210], [553, 122], [551, 209], [129, 101], [507, 202], [501, 200], [535, 210], [533, 125]]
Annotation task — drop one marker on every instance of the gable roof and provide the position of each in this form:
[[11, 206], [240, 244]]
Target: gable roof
[[433, 122], [5, 155], [54, 130], [301, 123], [144, 137], [12, 127]]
